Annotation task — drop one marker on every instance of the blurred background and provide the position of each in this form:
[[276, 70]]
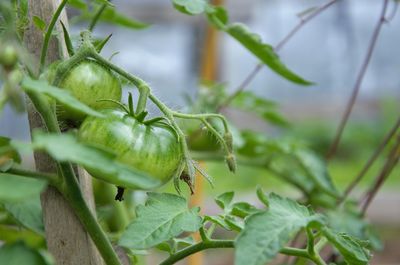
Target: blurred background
[[329, 51]]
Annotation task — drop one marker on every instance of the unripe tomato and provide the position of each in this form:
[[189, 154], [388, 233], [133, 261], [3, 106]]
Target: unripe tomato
[[8, 55], [89, 82], [152, 149]]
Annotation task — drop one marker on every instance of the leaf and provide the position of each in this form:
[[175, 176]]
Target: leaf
[[163, 217], [111, 15], [39, 23], [262, 196], [265, 233], [15, 188], [218, 220], [191, 7], [8, 155], [351, 249], [28, 213], [61, 95], [316, 169], [79, 4], [67, 39], [264, 52], [243, 209], [263, 108], [18, 254], [66, 148], [224, 200]]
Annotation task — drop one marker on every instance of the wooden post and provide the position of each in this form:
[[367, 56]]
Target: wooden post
[[66, 238]]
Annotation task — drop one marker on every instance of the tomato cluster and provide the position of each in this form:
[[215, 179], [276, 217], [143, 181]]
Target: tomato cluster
[[150, 147]]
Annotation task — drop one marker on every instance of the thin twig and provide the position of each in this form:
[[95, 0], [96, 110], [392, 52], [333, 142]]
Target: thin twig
[[391, 162], [371, 160], [277, 48], [357, 85]]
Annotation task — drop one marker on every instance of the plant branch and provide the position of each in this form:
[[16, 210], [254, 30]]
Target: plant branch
[[277, 48], [357, 85], [223, 244], [47, 36], [371, 160], [387, 168]]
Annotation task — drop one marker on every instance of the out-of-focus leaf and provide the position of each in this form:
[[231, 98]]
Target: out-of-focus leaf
[[15, 188], [316, 169], [12, 234], [28, 213], [224, 200], [243, 209], [110, 15], [351, 249], [163, 217], [262, 196], [8, 155], [265, 233], [18, 254], [190, 7], [66, 148], [264, 52], [61, 95], [263, 108], [39, 23], [79, 4]]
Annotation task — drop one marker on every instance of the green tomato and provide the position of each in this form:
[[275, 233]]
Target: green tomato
[[152, 148], [90, 82], [8, 55]]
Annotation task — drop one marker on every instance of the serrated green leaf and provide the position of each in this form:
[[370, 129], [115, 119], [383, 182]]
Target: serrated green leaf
[[190, 7], [15, 188], [263, 108], [28, 213], [18, 254], [98, 162], [351, 249], [163, 217], [224, 200], [264, 52], [39, 23], [61, 95], [265, 233]]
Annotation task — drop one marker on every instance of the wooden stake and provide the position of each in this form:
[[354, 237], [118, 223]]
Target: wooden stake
[[66, 238]]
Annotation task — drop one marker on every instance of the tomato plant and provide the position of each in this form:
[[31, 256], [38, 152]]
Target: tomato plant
[[115, 142]]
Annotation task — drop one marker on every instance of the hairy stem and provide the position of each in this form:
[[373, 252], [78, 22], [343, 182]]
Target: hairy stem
[[47, 36], [357, 85]]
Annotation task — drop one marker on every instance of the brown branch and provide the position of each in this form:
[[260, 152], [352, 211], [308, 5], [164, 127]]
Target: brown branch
[[371, 160], [277, 48], [387, 168], [357, 85]]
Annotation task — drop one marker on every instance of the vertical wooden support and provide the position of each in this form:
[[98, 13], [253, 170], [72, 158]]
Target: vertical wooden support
[[66, 238], [208, 72]]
